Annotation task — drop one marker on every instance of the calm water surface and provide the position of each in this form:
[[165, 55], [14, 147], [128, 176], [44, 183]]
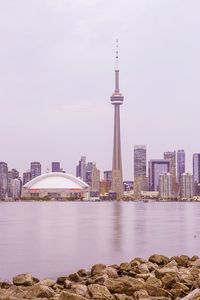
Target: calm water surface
[[56, 238]]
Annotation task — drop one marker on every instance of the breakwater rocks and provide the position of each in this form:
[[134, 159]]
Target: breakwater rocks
[[159, 278]]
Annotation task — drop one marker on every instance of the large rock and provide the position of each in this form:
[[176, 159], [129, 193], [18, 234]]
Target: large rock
[[70, 296], [196, 263], [142, 294], [159, 259], [163, 271], [48, 282], [111, 272], [39, 291], [154, 281], [99, 291], [13, 291], [23, 279], [75, 277], [182, 261], [98, 269], [169, 279], [79, 289], [124, 285], [155, 291], [122, 297]]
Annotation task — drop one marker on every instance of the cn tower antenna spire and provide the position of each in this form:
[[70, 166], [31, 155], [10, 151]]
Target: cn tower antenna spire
[[117, 55]]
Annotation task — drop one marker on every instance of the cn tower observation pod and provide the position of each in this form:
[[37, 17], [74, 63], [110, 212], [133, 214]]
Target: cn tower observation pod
[[55, 185]]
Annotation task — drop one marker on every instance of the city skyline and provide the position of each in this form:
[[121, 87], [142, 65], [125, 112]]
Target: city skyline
[[41, 65]]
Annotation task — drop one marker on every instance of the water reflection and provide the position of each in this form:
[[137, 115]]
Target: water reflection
[[50, 239]]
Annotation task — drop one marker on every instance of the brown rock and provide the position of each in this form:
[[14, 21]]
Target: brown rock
[[82, 273], [159, 259], [75, 277], [48, 282], [98, 269], [111, 272], [155, 291], [154, 281], [122, 297], [5, 284], [79, 289], [142, 294], [23, 279], [143, 276], [61, 279], [141, 269], [196, 263], [100, 279], [39, 291], [125, 266], [163, 271], [124, 285], [182, 260], [169, 279], [70, 296], [67, 284], [99, 291]]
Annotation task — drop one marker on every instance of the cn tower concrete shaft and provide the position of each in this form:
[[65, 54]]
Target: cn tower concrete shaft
[[117, 180]]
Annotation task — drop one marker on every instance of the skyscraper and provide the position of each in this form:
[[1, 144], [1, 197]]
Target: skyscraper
[[187, 186], [165, 186], [157, 167], [81, 168], [171, 156], [116, 100], [139, 161], [26, 177], [3, 180], [55, 166], [196, 167], [35, 169], [180, 164]]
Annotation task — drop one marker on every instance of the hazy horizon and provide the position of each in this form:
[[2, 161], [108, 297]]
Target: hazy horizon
[[57, 76]]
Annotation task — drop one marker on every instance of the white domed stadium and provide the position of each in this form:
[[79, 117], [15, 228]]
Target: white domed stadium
[[55, 185]]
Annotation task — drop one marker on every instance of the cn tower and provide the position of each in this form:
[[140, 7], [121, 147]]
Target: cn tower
[[117, 100]]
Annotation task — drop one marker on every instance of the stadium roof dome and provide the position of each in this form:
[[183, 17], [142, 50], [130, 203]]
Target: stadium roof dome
[[55, 181]]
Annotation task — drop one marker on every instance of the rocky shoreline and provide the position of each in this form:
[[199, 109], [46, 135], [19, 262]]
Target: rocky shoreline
[[158, 278]]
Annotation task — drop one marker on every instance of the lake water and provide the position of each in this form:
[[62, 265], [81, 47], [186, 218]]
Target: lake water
[[57, 238]]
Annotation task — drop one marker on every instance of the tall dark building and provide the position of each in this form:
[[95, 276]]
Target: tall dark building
[[81, 168], [180, 164], [55, 166], [35, 169], [107, 175], [117, 100], [196, 167], [3, 180], [26, 177], [139, 161], [156, 168]]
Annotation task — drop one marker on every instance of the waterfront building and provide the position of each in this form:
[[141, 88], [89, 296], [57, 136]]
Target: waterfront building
[[117, 100], [93, 177], [35, 169], [13, 174], [107, 175], [55, 166], [140, 179], [157, 167], [139, 161], [104, 187], [81, 168], [26, 177], [180, 164], [196, 167], [171, 156], [165, 186], [16, 188], [56, 185], [3, 180], [187, 186]]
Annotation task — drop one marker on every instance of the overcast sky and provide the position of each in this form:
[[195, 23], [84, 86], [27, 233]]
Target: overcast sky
[[57, 75]]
